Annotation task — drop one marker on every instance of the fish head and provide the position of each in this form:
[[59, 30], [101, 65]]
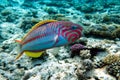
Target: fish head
[[71, 31]]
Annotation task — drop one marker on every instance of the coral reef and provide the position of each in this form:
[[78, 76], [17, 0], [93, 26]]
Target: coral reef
[[95, 56]]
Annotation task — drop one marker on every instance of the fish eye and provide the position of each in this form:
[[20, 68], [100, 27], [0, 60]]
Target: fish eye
[[74, 27]]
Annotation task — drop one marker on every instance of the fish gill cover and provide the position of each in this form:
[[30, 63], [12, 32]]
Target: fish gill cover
[[94, 56]]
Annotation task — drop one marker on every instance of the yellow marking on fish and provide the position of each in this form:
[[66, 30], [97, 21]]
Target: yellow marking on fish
[[34, 54], [30, 54]]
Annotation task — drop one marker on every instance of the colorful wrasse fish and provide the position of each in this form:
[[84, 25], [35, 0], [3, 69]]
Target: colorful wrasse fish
[[48, 34]]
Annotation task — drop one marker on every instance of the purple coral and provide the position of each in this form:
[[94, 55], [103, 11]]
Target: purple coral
[[75, 49]]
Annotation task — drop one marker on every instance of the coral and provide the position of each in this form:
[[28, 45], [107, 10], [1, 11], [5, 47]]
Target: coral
[[59, 17], [8, 30], [104, 34], [9, 14], [27, 23], [80, 74], [108, 60], [27, 75], [5, 12], [111, 58], [86, 70], [87, 8], [2, 77], [111, 18], [54, 70], [54, 3], [51, 10], [99, 64], [88, 16], [75, 49], [116, 32], [88, 65], [114, 69], [4, 2], [85, 54], [20, 2], [113, 64], [100, 74], [110, 31]]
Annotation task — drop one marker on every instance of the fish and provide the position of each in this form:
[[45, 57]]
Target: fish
[[48, 34]]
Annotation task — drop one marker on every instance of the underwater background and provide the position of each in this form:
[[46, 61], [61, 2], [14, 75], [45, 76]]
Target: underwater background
[[94, 56]]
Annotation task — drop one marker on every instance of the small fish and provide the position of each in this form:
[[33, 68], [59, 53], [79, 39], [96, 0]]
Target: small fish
[[48, 34]]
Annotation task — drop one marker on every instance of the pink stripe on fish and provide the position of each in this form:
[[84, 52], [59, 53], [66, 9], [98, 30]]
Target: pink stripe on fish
[[36, 37]]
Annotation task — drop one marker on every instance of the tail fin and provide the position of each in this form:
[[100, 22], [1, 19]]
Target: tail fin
[[19, 50], [19, 55]]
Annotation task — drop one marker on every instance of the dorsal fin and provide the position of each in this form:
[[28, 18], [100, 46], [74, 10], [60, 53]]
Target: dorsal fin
[[38, 25], [42, 23]]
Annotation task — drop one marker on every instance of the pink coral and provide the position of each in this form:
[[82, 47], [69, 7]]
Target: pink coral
[[75, 49]]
